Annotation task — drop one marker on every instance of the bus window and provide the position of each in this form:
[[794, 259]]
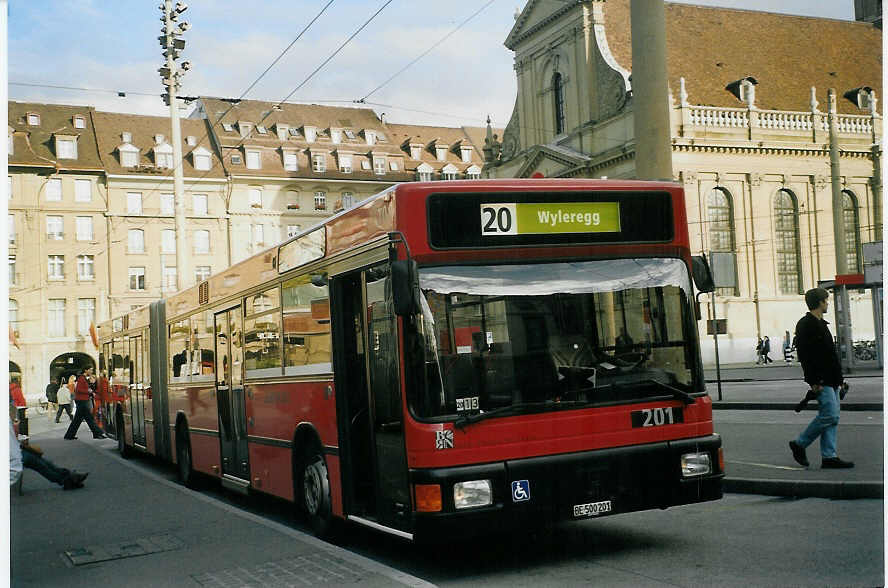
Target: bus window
[[201, 365], [306, 327], [262, 335], [178, 351]]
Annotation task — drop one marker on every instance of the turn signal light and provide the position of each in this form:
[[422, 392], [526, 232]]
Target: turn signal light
[[428, 497], [721, 460]]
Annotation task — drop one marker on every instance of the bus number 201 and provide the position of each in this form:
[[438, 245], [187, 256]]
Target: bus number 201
[[498, 219], [655, 417]]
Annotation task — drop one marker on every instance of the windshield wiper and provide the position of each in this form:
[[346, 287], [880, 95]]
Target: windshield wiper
[[469, 419], [679, 394]]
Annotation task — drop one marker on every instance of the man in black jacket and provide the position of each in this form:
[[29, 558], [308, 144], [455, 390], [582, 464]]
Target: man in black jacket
[[823, 372]]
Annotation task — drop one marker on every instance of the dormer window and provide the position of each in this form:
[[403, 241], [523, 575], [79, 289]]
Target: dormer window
[[245, 128], [254, 160], [466, 154], [261, 130], [424, 172], [191, 140], [281, 131], [379, 165], [33, 119], [441, 152], [79, 122], [126, 137], [291, 161], [349, 133], [163, 155], [416, 151], [201, 159], [394, 166], [336, 135], [370, 136], [473, 173], [449, 172], [66, 147], [345, 163], [295, 133], [158, 139], [318, 162], [228, 127], [311, 134], [129, 155]]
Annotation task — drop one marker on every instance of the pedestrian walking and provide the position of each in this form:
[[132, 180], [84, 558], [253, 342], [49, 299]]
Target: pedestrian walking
[[17, 399], [52, 395], [766, 349], [823, 372], [758, 352], [63, 395], [787, 348], [83, 411]]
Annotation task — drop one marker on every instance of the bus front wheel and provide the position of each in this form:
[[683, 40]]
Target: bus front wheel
[[316, 495]]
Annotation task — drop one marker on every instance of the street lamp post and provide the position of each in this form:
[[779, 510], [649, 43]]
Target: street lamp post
[[172, 43]]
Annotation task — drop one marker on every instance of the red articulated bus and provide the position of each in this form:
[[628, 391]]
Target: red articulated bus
[[443, 356]]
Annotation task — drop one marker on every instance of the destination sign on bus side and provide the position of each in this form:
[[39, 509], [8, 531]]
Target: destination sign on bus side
[[549, 218]]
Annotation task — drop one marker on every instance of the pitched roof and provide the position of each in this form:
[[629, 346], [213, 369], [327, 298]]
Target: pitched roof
[[402, 135], [109, 129], [221, 113], [35, 145], [711, 47]]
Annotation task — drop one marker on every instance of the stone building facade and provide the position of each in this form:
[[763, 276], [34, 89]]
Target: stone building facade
[[748, 117], [92, 213]]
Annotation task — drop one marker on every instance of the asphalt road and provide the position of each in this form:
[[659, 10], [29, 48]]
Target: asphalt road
[[741, 540]]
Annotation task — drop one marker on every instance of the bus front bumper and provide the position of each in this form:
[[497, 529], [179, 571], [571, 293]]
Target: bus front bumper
[[574, 486]]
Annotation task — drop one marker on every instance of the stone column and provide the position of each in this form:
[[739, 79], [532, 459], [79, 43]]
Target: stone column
[[650, 91]]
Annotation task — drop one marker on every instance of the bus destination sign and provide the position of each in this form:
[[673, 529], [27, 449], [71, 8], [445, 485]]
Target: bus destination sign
[[516, 219], [549, 218]]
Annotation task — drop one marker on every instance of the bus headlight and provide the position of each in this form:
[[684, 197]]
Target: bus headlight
[[472, 493], [695, 464]]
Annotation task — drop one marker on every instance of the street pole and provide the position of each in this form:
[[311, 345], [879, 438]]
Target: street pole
[[650, 91], [171, 75], [841, 292]]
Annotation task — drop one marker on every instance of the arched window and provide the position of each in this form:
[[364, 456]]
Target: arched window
[[852, 231], [786, 238], [720, 214], [558, 91]]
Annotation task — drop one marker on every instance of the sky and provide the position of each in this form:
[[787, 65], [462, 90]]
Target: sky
[[109, 46]]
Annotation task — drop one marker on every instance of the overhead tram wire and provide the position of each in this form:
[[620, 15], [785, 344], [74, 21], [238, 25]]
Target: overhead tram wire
[[297, 88], [426, 52], [172, 170], [241, 97]]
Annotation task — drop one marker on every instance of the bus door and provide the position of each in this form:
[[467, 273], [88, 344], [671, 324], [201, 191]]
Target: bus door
[[369, 384], [137, 389], [230, 394]]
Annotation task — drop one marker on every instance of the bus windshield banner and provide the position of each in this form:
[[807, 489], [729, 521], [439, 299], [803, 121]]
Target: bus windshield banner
[[535, 218]]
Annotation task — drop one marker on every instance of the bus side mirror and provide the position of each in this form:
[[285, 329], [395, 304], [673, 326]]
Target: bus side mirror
[[405, 284], [702, 274]]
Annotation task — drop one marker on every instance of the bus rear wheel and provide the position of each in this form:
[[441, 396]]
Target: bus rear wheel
[[315, 495]]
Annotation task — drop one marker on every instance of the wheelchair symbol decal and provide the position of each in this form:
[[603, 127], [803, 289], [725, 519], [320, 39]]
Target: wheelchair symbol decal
[[520, 490]]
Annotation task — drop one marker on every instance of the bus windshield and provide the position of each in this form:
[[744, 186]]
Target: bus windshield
[[560, 335]]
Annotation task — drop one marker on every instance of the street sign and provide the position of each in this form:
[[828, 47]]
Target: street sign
[[872, 262]]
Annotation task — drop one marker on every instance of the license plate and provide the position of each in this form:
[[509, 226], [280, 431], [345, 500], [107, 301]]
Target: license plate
[[592, 509], [656, 417]]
